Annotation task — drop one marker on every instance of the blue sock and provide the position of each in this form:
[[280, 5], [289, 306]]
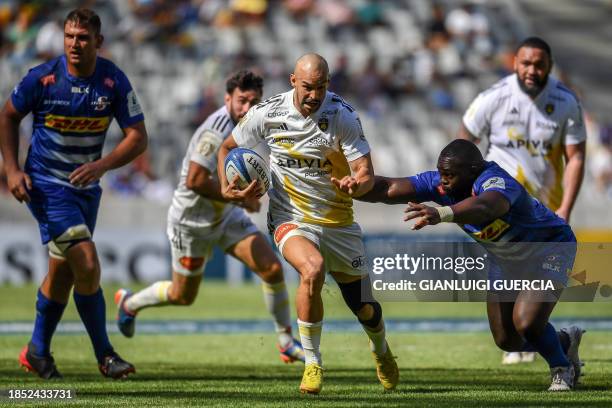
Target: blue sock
[[48, 315], [92, 310], [549, 347]]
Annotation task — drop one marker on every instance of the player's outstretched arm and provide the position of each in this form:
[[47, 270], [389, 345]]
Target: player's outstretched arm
[[390, 191], [466, 135], [229, 188], [133, 144], [18, 181], [481, 209]]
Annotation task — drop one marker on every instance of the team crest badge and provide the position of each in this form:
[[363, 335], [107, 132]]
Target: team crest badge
[[323, 123], [550, 108]]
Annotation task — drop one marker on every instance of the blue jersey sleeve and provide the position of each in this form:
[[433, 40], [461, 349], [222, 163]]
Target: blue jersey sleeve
[[26, 94], [426, 186], [127, 109], [506, 185]]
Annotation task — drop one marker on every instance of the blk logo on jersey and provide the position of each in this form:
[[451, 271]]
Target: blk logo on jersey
[[76, 124]]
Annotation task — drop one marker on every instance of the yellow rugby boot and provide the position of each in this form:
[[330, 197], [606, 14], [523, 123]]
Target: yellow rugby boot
[[386, 369], [312, 381]]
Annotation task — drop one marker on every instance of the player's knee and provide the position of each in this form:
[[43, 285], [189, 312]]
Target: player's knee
[[312, 272], [528, 328], [369, 313]]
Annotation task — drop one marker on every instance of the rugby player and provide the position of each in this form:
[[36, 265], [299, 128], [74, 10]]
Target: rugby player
[[535, 129], [73, 99], [492, 207], [315, 137], [200, 218]]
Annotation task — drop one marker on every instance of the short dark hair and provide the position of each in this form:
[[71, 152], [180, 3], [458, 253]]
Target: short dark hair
[[244, 80], [84, 17], [464, 152], [536, 42]]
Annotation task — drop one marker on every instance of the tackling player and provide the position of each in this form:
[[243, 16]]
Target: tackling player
[[73, 99], [535, 128], [315, 137], [200, 218], [493, 207]]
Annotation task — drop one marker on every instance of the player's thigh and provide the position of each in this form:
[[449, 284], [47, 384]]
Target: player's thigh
[[298, 243], [190, 248], [344, 253], [257, 254]]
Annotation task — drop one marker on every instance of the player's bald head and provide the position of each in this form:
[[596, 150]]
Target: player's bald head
[[311, 64]]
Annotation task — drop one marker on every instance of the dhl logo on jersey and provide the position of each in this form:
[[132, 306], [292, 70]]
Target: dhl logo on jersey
[[78, 124], [492, 231]]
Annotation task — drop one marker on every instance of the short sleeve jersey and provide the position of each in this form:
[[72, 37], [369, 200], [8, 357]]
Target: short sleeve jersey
[[188, 207], [528, 220], [527, 137], [72, 115], [305, 152]]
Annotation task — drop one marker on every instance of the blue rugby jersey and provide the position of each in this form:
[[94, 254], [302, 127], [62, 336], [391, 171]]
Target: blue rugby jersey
[[72, 115], [528, 220]]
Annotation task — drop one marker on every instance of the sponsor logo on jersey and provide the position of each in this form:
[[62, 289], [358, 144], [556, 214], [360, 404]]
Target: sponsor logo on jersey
[[492, 231], [56, 102], [48, 80], [512, 122], [79, 90], [284, 141], [330, 112], [283, 230], [514, 111], [133, 105], [208, 144], [358, 262], [101, 103], [280, 126], [109, 82], [549, 108], [323, 123], [318, 141], [494, 182], [78, 124], [531, 145], [277, 113], [304, 163], [547, 125]]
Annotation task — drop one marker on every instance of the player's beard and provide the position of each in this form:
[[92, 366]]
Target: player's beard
[[534, 90]]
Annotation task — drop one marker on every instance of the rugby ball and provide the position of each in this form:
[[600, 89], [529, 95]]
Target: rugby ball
[[248, 166]]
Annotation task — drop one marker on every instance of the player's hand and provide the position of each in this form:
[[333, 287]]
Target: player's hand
[[87, 173], [347, 184], [426, 215], [233, 193], [19, 183]]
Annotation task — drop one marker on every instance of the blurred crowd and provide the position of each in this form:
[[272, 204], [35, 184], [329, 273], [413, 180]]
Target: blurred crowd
[[411, 67]]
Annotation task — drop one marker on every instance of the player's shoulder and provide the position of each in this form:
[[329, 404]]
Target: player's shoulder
[[500, 89], [273, 102], [559, 91], [339, 103], [46, 72], [219, 122], [107, 66], [494, 176]]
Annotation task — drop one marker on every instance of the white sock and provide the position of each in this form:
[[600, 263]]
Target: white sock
[[310, 335], [154, 295], [277, 303], [378, 343]]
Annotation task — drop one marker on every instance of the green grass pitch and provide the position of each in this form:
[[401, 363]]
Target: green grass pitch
[[243, 369]]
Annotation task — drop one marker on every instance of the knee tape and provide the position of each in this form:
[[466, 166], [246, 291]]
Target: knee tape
[[351, 292], [72, 236]]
